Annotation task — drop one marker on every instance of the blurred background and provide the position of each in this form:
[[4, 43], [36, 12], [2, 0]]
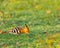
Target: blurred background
[[40, 15], [32, 12]]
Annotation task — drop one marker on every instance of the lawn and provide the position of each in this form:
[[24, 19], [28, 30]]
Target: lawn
[[42, 17]]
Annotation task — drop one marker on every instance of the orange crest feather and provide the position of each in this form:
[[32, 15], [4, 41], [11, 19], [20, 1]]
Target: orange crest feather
[[25, 29]]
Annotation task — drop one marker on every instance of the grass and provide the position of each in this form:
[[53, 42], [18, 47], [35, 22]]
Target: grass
[[42, 17]]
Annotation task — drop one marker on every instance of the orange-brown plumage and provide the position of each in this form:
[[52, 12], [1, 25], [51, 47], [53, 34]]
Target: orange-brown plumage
[[17, 30], [25, 29], [0, 31]]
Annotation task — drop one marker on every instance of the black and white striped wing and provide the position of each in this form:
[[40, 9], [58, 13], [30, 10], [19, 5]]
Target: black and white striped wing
[[15, 30]]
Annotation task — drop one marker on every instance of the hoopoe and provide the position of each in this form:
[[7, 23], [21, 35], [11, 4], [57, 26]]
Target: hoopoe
[[19, 30]]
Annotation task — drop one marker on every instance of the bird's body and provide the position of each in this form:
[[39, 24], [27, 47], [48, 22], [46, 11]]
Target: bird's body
[[17, 30]]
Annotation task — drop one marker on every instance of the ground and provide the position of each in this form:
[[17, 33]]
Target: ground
[[42, 17]]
